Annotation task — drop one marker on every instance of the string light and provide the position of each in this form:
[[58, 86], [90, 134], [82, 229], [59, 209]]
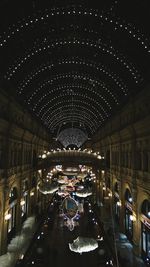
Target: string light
[[97, 89]]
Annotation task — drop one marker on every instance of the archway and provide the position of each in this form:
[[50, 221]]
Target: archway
[[12, 211], [145, 230], [128, 214]]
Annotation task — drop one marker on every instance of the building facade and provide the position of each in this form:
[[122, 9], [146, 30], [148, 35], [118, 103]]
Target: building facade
[[22, 139], [125, 142]]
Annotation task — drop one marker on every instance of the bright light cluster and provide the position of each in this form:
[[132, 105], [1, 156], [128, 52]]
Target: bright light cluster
[[69, 150]]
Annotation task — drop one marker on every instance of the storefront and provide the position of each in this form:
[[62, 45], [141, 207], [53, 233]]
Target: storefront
[[128, 215], [117, 202], [32, 194], [12, 215], [145, 231], [24, 201]]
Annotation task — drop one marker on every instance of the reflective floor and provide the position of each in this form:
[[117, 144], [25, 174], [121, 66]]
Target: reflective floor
[[51, 244]]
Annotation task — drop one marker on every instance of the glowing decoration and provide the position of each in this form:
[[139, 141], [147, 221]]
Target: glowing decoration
[[59, 167], [44, 156], [80, 187], [22, 202], [133, 218], [72, 136], [84, 193], [47, 188], [70, 188], [119, 203], [62, 193], [71, 169], [130, 199], [7, 216], [83, 244], [61, 181], [69, 207], [80, 207], [70, 224]]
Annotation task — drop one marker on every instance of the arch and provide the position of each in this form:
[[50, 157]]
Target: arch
[[13, 194], [128, 195], [145, 208], [126, 186], [25, 186], [116, 187], [142, 196]]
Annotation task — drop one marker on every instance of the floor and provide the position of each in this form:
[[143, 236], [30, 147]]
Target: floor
[[123, 246], [51, 244], [50, 247]]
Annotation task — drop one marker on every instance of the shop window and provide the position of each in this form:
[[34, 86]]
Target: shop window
[[116, 202], [24, 202], [128, 215], [11, 225], [128, 196], [145, 230]]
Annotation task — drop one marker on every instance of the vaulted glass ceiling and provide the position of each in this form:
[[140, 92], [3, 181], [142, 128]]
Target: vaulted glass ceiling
[[71, 63]]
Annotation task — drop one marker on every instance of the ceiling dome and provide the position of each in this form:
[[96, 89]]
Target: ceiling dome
[[74, 64], [72, 137]]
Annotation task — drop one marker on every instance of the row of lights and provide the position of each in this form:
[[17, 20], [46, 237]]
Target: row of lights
[[117, 24], [44, 114], [60, 103], [75, 61], [75, 86], [53, 151], [45, 96], [48, 67], [32, 53], [74, 75], [82, 96], [57, 112]]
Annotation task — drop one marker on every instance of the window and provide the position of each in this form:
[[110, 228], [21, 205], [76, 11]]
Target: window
[[11, 226]]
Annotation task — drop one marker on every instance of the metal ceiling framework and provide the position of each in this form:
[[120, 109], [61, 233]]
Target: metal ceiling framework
[[73, 66]]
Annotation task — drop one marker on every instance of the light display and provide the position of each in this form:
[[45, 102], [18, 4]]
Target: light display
[[73, 92], [70, 208], [83, 244], [72, 136], [83, 194], [47, 188]]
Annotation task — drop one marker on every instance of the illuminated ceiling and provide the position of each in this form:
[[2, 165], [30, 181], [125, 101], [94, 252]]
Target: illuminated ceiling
[[74, 64]]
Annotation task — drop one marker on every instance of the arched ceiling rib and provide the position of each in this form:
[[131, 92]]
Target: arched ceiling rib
[[74, 64]]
